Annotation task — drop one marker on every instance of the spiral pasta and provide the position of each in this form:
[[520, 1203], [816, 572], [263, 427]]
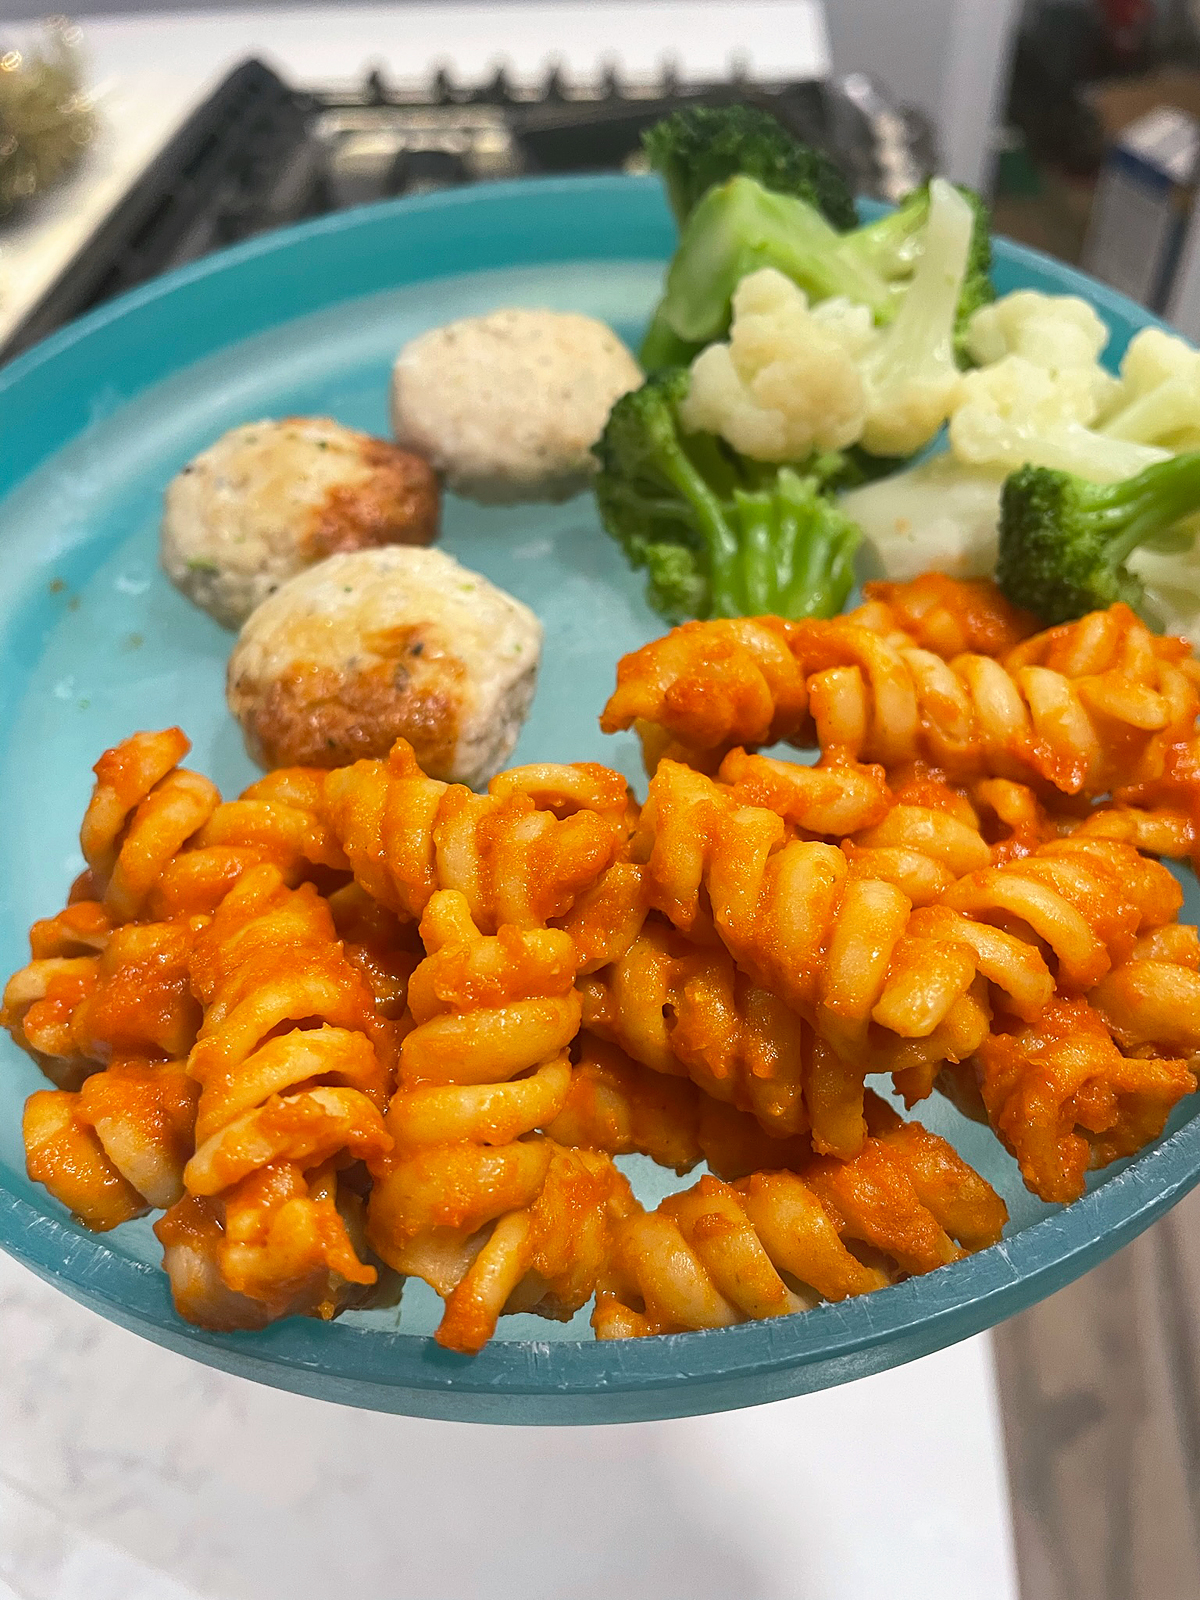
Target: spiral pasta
[[1063, 1098], [521, 854], [617, 1105], [777, 1242], [116, 1148], [799, 921], [159, 842], [293, 1065], [494, 1217], [684, 1009], [676, 1005], [886, 985], [385, 949], [1080, 708], [894, 988], [94, 992], [950, 616], [361, 1024]]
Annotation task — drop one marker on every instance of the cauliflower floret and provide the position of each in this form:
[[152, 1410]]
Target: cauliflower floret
[[785, 384], [1158, 398], [1059, 332], [851, 325], [939, 515], [1054, 330], [792, 380], [1017, 413]]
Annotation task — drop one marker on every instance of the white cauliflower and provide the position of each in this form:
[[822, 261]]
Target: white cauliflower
[[794, 379], [1059, 332], [938, 515], [852, 325], [786, 383], [1017, 413], [1053, 330], [1158, 398]]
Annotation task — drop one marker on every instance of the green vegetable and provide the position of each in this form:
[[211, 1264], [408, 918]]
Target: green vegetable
[[893, 244], [719, 535], [704, 145], [741, 225], [1064, 541], [662, 347]]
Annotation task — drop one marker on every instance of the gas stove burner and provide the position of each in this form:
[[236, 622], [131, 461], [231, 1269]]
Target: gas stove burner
[[259, 154]]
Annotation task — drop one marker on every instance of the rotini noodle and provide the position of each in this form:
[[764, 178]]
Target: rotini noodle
[[159, 842], [949, 616], [73, 1012], [494, 1218], [1080, 708], [617, 1105], [684, 1009], [518, 862], [1063, 1098], [294, 1072], [364, 1023], [777, 1242]]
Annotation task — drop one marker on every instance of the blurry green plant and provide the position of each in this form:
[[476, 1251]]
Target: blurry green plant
[[46, 119]]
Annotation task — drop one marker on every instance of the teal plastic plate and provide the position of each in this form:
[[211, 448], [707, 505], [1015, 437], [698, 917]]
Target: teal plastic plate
[[95, 643]]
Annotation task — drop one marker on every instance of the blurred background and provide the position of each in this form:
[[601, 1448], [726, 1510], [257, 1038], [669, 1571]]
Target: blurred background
[[194, 128], [131, 143]]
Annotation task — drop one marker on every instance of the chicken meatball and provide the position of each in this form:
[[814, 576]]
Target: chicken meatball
[[271, 498], [370, 647], [508, 406]]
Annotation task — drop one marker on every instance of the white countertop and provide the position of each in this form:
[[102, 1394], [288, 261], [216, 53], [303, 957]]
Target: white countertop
[[130, 1473]]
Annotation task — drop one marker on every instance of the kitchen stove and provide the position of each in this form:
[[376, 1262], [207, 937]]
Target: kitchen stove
[[257, 153]]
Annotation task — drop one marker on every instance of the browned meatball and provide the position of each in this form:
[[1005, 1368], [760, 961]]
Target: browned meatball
[[376, 645], [269, 499]]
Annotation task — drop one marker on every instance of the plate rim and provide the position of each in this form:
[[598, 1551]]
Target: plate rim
[[547, 1378]]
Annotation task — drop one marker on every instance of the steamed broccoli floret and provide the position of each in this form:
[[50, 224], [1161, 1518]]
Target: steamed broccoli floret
[[719, 535], [662, 347], [1064, 541], [704, 145], [740, 226]]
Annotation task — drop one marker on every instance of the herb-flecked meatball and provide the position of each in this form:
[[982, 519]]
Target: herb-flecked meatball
[[269, 499], [508, 406], [367, 648]]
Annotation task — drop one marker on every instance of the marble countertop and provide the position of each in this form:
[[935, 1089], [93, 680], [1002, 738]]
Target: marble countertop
[[131, 1473]]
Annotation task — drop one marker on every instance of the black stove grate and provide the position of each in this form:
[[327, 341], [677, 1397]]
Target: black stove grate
[[259, 154]]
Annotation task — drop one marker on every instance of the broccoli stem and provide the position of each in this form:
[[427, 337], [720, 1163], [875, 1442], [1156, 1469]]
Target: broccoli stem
[[719, 542], [662, 347], [923, 331], [1126, 514], [756, 515], [796, 552], [892, 244], [739, 227]]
